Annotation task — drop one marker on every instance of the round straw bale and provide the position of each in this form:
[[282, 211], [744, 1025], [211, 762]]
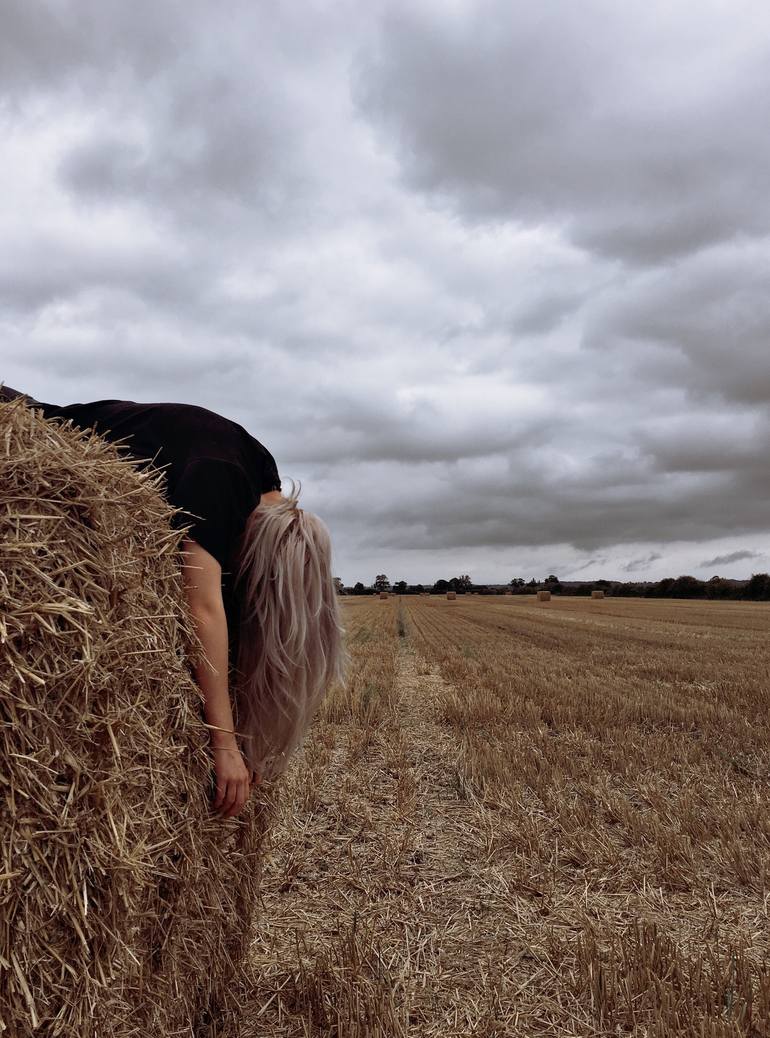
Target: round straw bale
[[451, 595], [544, 596], [383, 594], [597, 594], [125, 904]]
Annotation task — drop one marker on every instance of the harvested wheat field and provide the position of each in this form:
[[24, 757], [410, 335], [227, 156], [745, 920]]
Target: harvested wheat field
[[516, 821]]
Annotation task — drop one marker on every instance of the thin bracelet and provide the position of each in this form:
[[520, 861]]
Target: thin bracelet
[[227, 731]]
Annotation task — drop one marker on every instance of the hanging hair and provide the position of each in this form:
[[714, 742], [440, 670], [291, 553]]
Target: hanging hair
[[290, 646]]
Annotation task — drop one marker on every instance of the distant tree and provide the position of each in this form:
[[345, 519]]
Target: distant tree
[[400, 587], [516, 582], [687, 587], [662, 589], [627, 590], [758, 588], [358, 588], [441, 585], [551, 579], [381, 582], [459, 583], [532, 583], [339, 587], [718, 587]]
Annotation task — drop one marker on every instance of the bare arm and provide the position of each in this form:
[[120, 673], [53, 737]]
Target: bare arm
[[203, 591]]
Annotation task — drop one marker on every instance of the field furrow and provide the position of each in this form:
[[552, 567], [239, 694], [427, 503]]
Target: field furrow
[[489, 833]]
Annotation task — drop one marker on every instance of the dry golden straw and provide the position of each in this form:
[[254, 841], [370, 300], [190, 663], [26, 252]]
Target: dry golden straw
[[528, 823], [544, 596], [597, 594], [125, 905]]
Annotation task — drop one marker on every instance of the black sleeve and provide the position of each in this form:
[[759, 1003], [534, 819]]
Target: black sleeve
[[211, 490], [270, 478]]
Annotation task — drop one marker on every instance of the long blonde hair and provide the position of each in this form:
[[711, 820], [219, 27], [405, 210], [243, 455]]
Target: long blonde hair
[[291, 640]]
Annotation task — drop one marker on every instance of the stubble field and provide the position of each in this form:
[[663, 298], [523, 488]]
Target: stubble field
[[525, 818]]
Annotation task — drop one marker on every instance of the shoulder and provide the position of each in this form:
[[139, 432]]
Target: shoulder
[[215, 497], [218, 475], [202, 417], [202, 573]]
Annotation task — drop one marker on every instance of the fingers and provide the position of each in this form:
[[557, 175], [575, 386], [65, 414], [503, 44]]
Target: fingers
[[240, 794], [221, 789], [234, 795], [228, 798], [232, 783]]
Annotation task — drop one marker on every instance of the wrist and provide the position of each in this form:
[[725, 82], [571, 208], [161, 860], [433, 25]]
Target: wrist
[[221, 738], [224, 743]]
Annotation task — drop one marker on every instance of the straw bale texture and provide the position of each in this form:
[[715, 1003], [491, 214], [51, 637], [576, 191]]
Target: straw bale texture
[[451, 595], [544, 596], [597, 594], [125, 904]]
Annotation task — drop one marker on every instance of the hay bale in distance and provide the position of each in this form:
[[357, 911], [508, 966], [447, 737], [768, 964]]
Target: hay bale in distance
[[451, 595], [383, 594], [126, 904], [597, 594], [544, 596]]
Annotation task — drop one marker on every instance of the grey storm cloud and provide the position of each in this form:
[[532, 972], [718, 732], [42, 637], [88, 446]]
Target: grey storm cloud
[[589, 116], [704, 324], [635, 565], [44, 268], [731, 557], [195, 112], [540, 512], [491, 279], [545, 313]]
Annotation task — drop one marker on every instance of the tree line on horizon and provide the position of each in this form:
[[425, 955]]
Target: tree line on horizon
[[756, 588]]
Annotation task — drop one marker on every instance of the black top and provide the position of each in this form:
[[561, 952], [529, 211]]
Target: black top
[[215, 470]]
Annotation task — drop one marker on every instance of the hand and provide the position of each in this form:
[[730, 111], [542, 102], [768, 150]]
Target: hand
[[233, 781]]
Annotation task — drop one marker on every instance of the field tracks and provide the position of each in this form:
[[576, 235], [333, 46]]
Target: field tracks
[[459, 852], [376, 891]]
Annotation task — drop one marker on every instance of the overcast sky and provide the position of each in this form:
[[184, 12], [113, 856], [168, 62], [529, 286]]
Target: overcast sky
[[492, 279]]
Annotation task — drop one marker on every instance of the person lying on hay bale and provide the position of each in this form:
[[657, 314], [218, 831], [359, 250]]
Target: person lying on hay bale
[[257, 578]]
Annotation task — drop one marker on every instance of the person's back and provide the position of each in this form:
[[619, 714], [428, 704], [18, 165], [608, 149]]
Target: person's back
[[215, 470], [175, 436], [286, 618]]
